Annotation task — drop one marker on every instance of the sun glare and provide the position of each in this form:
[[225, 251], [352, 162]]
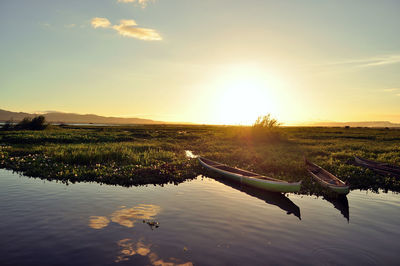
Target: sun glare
[[244, 94]]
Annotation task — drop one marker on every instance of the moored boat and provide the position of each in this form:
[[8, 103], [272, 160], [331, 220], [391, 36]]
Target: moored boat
[[378, 166], [250, 178], [326, 179]]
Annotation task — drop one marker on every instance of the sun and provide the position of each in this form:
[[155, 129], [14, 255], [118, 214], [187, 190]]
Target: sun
[[244, 94]]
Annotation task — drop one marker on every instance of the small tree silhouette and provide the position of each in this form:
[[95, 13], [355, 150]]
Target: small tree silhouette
[[36, 123]]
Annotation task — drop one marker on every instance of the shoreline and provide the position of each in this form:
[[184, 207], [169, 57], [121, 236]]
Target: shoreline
[[140, 155]]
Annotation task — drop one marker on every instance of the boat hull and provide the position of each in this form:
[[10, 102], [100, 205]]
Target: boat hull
[[338, 189], [379, 167], [268, 185]]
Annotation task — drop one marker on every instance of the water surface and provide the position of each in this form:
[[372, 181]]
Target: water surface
[[201, 222]]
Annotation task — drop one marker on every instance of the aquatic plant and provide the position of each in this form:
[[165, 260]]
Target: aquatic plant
[[155, 154]]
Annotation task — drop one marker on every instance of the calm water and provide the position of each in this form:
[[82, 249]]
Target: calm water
[[201, 222]]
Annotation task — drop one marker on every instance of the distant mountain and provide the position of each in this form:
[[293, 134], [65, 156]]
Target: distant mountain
[[356, 124], [58, 117], [15, 116]]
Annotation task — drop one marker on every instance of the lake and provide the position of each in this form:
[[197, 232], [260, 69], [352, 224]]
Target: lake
[[199, 222]]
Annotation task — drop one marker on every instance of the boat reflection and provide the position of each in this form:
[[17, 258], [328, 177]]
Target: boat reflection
[[272, 198], [340, 203]]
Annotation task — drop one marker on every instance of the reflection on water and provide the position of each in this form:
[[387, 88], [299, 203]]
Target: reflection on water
[[277, 199], [126, 216], [98, 222], [131, 248], [329, 255], [342, 204], [203, 222]]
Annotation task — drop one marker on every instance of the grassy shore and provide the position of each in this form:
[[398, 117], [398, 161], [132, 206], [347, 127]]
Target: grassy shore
[[136, 155]]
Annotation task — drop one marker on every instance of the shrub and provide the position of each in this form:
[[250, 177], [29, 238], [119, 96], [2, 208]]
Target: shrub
[[37, 123], [24, 123], [8, 125], [265, 128], [266, 122]]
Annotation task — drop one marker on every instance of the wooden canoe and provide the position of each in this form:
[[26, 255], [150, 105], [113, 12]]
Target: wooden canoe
[[326, 179], [378, 166], [249, 178]]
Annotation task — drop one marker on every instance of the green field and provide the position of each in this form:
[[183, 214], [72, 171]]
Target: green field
[[137, 155]]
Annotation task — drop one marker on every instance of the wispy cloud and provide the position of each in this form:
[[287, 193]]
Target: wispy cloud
[[373, 61], [100, 23], [142, 3], [128, 28], [45, 24], [391, 89], [69, 26], [380, 61]]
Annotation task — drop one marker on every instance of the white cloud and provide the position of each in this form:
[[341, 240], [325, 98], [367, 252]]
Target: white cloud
[[142, 3], [128, 22], [100, 22], [128, 28]]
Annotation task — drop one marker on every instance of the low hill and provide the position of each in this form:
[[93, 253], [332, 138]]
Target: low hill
[[59, 117], [356, 124]]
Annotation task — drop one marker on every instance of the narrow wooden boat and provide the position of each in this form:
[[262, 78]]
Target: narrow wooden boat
[[249, 178], [378, 166], [326, 179]]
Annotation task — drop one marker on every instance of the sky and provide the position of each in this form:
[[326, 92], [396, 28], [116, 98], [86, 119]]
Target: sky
[[214, 62]]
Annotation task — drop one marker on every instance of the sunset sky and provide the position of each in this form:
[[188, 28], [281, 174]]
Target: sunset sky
[[218, 62]]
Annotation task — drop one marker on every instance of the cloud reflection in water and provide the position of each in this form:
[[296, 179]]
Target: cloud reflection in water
[[130, 248], [98, 222], [126, 216]]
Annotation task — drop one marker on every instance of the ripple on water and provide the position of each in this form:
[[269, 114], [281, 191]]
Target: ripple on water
[[203, 222], [353, 256]]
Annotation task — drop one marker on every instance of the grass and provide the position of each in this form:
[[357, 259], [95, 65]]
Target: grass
[[155, 154]]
